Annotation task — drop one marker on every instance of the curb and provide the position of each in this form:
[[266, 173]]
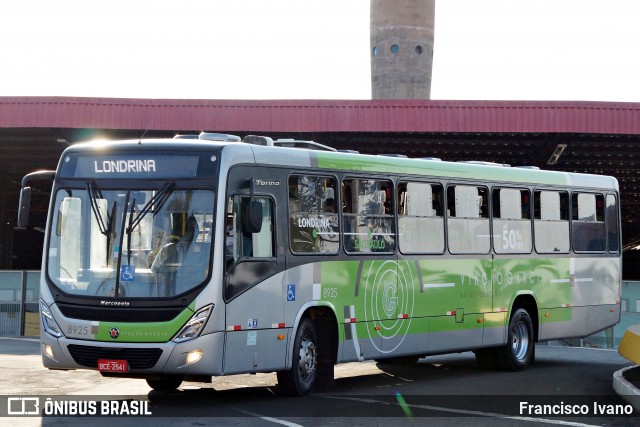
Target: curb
[[625, 389]]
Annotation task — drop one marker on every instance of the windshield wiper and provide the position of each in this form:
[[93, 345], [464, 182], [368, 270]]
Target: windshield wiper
[[158, 200], [130, 230], [104, 228]]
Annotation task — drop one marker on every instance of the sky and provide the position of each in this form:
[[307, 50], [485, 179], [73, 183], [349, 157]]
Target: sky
[[574, 50]]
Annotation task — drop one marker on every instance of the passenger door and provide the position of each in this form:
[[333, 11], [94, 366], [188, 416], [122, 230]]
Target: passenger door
[[253, 283]]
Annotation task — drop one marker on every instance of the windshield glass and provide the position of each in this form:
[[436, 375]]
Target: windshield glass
[[133, 244]]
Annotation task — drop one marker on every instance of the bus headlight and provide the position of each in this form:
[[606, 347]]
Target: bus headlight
[[194, 326], [48, 322]]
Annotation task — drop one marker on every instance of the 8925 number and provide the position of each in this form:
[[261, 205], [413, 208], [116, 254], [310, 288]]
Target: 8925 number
[[76, 330], [329, 292]]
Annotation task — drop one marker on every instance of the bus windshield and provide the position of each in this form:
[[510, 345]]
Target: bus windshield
[[130, 243]]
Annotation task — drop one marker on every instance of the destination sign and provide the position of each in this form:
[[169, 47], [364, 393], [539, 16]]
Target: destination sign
[[134, 166]]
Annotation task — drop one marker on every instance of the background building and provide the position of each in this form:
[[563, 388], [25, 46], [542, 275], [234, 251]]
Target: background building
[[401, 48]]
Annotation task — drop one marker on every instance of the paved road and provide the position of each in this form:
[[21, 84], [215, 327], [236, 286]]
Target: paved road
[[440, 390]]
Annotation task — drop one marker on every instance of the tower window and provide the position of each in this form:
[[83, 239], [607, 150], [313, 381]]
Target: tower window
[[395, 48]]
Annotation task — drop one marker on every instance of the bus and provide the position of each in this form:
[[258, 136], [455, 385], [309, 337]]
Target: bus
[[209, 255]]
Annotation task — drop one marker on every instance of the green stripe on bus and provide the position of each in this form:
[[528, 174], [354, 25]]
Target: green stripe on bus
[[144, 331], [351, 162], [377, 291]]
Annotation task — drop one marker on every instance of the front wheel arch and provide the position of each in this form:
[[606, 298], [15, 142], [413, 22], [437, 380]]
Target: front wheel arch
[[529, 303], [325, 325], [301, 378], [519, 350]]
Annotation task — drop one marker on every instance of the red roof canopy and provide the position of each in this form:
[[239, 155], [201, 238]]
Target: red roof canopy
[[322, 115]]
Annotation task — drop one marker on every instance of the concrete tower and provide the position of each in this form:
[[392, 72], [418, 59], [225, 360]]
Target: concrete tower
[[401, 48]]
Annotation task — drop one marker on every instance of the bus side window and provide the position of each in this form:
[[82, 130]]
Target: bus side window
[[588, 227], [613, 233], [551, 221], [420, 221], [511, 221], [313, 218], [368, 221], [468, 221]]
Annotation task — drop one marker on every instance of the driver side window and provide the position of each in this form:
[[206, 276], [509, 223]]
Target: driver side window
[[240, 241], [249, 243]]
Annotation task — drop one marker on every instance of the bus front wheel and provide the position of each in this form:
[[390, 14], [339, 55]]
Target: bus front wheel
[[303, 375], [166, 382]]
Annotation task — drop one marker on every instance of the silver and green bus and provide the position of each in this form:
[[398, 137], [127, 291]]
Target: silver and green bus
[[184, 259]]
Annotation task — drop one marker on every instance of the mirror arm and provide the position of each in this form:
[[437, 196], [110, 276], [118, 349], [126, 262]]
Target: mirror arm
[[25, 195]]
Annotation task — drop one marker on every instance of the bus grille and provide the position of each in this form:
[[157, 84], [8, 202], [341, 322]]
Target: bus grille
[[102, 314], [137, 358]]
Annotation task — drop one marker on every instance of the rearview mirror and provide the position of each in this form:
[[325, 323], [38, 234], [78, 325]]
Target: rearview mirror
[[25, 195], [23, 208], [252, 217]]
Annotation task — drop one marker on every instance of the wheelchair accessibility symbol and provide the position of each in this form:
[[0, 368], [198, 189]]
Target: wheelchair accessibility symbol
[[291, 292], [128, 273]]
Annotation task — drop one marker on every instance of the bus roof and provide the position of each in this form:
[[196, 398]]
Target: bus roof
[[302, 157], [341, 161]]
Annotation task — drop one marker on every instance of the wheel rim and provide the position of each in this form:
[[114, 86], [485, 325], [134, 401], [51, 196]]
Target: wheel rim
[[308, 360], [520, 342]]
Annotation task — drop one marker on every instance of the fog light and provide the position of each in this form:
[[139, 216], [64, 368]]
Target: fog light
[[194, 356], [46, 348]]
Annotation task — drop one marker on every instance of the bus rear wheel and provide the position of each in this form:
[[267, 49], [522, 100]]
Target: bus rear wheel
[[166, 382], [519, 351], [301, 379]]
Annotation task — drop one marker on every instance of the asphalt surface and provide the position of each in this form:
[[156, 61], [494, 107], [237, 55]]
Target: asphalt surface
[[449, 390]]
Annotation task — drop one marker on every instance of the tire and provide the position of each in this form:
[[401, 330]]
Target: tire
[[166, 382], [301, 379], [518, 353]]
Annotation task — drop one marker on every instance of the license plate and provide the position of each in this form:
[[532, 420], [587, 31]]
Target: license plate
[[107, 365]]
